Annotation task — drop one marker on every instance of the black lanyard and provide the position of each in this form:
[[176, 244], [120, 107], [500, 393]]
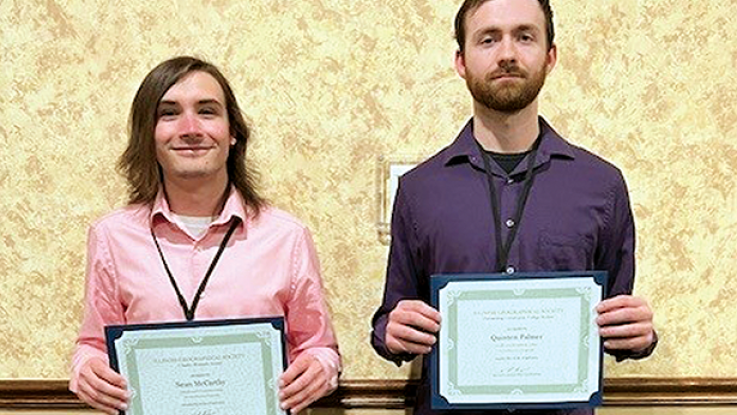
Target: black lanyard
[[189, 312], [502, 249]]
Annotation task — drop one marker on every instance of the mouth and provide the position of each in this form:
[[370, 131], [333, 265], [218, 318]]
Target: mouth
[[191, 151], [503, 76]]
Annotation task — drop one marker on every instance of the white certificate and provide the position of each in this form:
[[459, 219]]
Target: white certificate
[[525, 341], [220, 367]]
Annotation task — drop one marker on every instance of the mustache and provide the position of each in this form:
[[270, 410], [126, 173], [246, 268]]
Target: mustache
[[507, 69]]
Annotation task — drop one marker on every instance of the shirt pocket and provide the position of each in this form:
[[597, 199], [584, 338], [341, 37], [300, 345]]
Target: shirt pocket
[[560, 250]]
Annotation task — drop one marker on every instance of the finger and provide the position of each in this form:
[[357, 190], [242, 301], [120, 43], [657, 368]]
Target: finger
[[89, 401], [415, 319], [410, 334], [316, 394], [101, 402], [308, 393], [633, 343], [100, 391], [397, 347], [294, 370], [624, 316], [626, 330], [619, 301], [110, 376], [399, 340], [103, 408], [103, 388], [420, 307], [98, 396], [300, 383], [312, 392]]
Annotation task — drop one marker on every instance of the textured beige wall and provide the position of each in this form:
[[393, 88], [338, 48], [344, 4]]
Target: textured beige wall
[[331, 85]]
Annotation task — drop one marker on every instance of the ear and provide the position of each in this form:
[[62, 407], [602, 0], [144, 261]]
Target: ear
[[460, 64], [552, 59], [232, 140]]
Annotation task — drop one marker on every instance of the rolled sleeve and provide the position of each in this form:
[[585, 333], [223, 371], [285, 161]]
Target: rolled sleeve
[[309, 329], [617, 256], [101, 306], [401, 277], [616, 251]]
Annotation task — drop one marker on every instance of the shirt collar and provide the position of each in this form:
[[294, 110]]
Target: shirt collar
[[464, 148], [234, 207]]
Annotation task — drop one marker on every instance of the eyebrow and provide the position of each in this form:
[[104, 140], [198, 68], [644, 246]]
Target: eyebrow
[[200, 102], [495, 29], [526, 28]]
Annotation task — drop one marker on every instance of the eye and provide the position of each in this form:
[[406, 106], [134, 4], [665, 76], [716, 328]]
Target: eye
[[167, 112], [209, 111], [487, 40], [526, 37]]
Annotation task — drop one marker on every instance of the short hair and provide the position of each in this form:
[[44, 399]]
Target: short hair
[[469, 6], [138, 162]]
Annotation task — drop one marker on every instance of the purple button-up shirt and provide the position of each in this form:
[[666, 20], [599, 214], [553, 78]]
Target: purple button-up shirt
[[577, 217]]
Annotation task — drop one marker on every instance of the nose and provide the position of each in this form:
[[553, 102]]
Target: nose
[[507, 50], [189, 126]]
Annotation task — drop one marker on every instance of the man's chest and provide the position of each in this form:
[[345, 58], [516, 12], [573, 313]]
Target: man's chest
[[558, 228]]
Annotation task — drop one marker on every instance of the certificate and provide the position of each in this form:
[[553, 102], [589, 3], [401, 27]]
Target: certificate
[[517, 341], [218, 367]]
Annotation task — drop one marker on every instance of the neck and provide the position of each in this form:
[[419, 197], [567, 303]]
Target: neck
[[506, 132], [195, 199]]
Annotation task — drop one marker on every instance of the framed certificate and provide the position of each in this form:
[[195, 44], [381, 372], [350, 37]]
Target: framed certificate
[[517, 341], [217, 367]]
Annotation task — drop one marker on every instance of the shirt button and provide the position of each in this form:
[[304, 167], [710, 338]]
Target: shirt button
[[510, 180], [510, 223], [510, 270]]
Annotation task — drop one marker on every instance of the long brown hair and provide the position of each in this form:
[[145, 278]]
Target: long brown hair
[[138, 163]]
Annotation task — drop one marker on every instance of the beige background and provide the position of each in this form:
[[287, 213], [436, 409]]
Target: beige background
[[332, 85]]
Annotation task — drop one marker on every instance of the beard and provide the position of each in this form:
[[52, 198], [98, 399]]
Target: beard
[[506, 97]]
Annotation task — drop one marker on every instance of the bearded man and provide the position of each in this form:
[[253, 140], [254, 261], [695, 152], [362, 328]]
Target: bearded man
[[508, 195]]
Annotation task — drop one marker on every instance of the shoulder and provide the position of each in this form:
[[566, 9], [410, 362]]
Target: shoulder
[[428, 173], [595, 161], [125, 218], [596, 168], [447, 167], [583, 165], [272, 219]]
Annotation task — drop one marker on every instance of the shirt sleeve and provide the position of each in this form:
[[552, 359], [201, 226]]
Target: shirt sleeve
[[401, 279], [309, 329], [101, 305], [616, 254]]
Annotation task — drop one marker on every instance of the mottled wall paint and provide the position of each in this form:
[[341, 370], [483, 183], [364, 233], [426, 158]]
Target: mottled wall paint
[[331, 85]]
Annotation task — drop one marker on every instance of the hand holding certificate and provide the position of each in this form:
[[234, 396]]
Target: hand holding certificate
[[522, 341], [207, 368]]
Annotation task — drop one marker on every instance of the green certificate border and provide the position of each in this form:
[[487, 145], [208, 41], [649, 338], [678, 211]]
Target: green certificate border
[[123, 342], [493, 295], [586, 380]]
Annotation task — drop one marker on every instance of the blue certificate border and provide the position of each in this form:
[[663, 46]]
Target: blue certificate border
[[437, 282], [114, 332]]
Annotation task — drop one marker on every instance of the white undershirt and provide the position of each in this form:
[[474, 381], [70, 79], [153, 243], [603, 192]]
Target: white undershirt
[[196, 225]]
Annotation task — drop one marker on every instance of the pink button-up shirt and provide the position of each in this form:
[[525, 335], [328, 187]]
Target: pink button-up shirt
[[269, 268]]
